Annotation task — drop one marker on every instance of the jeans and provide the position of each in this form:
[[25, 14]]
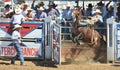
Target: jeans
[[19, 54]]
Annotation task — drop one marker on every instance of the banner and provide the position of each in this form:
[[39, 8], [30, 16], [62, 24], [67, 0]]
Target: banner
[[33, 39]]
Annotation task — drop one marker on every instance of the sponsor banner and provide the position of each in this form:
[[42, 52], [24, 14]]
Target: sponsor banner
[[32, 35], [28, 52]]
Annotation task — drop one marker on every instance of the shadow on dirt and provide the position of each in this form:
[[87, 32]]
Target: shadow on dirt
[[4, 63], [45, 63]]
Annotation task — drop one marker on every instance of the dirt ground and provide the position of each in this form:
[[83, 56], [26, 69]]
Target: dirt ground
[[32, 65], [84, 62]]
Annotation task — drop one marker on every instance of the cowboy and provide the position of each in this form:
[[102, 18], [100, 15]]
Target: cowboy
[[30, 15], [40, 4], [101, 6], [16, 37], [17, 18], [67, 18], [24, 9], [41, 15], [98, 20], [51, 11], [89, 10], [8, 12]]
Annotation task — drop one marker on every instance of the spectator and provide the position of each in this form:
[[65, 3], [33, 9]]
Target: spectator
[[8, 12], [16, 37], [40, 4], [41, 15], [98, 21], [51, 11], [67, 18], [89, 10], [54, 6], [110, 12], [24, 9], [101, 6], [30, 15], [118, 11], [17, 18]]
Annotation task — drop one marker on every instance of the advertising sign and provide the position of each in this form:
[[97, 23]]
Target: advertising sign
[[33, 39]]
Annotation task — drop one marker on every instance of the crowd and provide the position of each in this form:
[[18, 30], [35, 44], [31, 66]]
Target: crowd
[[40, 12]]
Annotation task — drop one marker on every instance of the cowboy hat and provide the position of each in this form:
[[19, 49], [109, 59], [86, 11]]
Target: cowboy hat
[[18, 11], [100, 3], [41, 3], [52, 4], [18, 6], [68, 4], [29, 9], [41, 8], [25, 4], [7, 6], [17, 26], [98, 11], [90, 5]]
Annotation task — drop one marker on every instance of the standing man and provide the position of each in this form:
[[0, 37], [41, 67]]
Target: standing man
[[16, 37], [67, 18], [17, 18], [41, 15], [40, 4], [8, 12], [51, 11]]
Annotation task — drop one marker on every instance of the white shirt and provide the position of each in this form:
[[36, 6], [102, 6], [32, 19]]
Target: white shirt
[[24, 13], [15, 36], [17, 19]]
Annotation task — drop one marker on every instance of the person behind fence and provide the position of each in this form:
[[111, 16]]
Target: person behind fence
[[67, 18], [101, 6], [30, 15], [17, 18], [99, 21], [41, 15], [53, 13], [89, 10], [118, 12], [24, 9], [40, 4], [8, 12], [16, 37]]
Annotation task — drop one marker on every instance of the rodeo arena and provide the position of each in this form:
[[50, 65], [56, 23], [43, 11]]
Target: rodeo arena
[[59, 34]]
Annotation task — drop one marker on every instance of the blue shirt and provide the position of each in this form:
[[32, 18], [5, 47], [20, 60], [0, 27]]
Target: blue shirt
[[52, 12], [42, 15], [67, 14]]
